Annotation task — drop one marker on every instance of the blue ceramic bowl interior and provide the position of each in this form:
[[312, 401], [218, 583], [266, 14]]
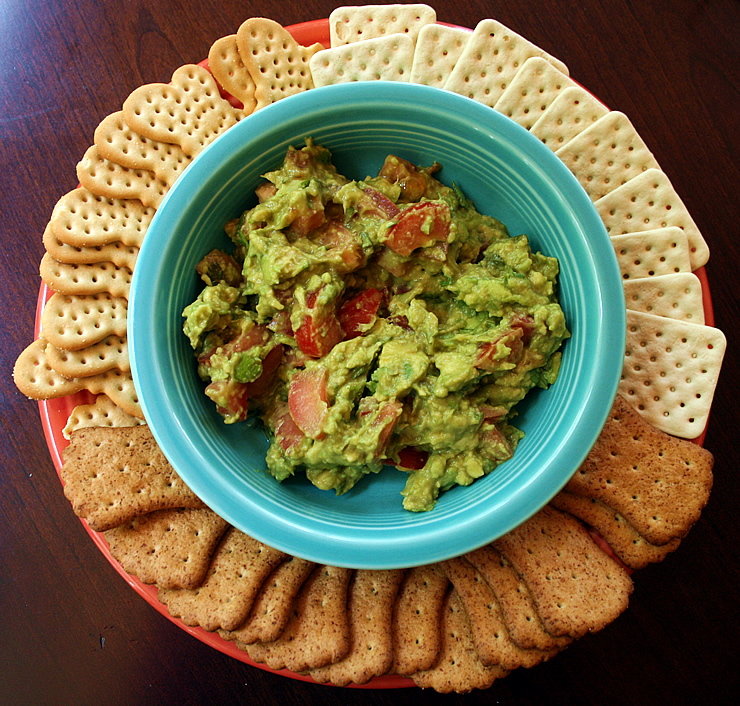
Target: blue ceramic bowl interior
[[508, 174]]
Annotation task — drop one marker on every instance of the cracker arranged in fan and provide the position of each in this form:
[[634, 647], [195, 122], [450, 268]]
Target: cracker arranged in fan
[[453, 626]]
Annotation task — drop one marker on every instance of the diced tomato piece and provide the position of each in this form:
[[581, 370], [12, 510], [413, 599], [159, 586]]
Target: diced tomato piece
[[306, 221], [265, 191], [392, 262], [513, 340], [231, 398], [419, 226], [335, 236], [359, 313], [253, 336], [493, 414], [287, 433], [377, 204], [280, 323], [270, 364], [412, 458], [526, 323], [308, 400], [320, 329], [386, 419]]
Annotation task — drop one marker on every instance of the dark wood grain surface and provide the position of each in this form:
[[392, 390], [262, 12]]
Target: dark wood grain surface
[[71, 630]]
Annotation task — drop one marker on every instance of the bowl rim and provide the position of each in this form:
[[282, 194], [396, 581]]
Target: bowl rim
[[298, 539]]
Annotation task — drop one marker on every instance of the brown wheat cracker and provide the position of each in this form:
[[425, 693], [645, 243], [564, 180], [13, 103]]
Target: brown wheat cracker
[[112, 181], [438, 47], [677, 296], [74, 322], [170, 548], [119, 254], [85, 279], [534, 87], [118, 143], [317, 633], [36, 379], [227, 67], [386, 58], [238, 567], [626, 542], [658, 483], [458, 669], [354, 23], [83, 219], [188, 112], [490, 636], [571, 112], [416, 619], [113, 474], [273, 604], [517, 606], [651, 253], [372, 595], [108, 354], [607, 154], [103, 412], [277, 63], [670, 372], [647, 202], [577, 589], [490, 61]]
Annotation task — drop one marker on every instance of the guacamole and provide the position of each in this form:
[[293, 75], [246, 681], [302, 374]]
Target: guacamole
[[375, 322]]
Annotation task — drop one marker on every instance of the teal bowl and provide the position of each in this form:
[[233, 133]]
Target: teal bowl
[[509, 174]]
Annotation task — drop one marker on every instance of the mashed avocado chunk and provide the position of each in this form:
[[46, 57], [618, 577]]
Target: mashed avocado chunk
[[375, 322]]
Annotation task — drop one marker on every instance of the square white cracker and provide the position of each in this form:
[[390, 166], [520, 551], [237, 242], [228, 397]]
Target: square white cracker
[[490, 61], [607, 155], [677, 296], [670, 371], [386, 58], [568, 115], [438, 47], [647, 202], [662, 251], [534, 87], [354, 23]]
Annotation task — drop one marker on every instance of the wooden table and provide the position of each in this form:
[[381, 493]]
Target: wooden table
[[72, 630]]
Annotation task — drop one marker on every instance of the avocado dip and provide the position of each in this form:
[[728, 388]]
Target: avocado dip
[[375, 322]]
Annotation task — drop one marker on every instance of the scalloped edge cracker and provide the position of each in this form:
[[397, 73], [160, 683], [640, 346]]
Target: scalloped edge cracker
[[36, 379], [534, 87], [438, 47], [386, 58], [227, 67], [277, 63], [85, 279], [118, 143], [82, 218], [353, 23], [568, 115], [103, 412], [108, 354], [112, 181], [647, 202], [676, 296], [490, 61], [189, 111], [607, 154], [670, 371], [74, 322], [651, 253], [116, 252]]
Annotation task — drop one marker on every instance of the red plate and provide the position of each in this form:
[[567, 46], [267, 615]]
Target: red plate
[[54, 415]]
